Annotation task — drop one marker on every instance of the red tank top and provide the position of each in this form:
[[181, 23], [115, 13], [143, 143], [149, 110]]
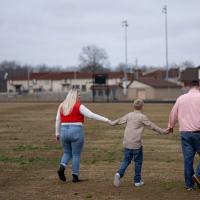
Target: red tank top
[[73, 116]]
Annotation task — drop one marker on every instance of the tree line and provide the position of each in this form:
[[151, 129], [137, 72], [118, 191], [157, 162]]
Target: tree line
[[91, 59]]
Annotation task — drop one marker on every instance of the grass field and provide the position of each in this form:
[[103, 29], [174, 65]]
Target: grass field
[[29, 157]]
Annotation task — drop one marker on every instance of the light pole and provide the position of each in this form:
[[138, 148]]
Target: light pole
[[125, 25], [164, 10], [28, 83], [136, 75], [6, 79]]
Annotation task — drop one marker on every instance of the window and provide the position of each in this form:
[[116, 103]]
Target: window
[[83, 88], [100, 92], [107, 91], [46, 82], [34, 82], [66, 80], [76, 86], [94, 92]]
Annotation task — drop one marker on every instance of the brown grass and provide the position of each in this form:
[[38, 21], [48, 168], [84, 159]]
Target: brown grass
[[29, 156]]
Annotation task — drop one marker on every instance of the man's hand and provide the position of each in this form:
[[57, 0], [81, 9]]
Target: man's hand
[[171, 130], [168, 130]]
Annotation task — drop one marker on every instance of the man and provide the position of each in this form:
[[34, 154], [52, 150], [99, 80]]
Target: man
[[187, 112]]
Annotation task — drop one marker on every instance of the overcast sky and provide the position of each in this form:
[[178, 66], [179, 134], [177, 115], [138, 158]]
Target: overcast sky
[[53, 32]]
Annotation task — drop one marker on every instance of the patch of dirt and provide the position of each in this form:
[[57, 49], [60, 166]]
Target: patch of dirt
[[29, 157]]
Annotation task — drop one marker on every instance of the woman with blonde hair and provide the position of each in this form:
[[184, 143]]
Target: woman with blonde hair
[[70, 133]]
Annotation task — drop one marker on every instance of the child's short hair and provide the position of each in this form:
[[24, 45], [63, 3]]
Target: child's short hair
[[138, 104]]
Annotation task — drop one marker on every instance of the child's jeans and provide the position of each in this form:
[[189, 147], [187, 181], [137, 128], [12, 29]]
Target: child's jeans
[[137, 156]]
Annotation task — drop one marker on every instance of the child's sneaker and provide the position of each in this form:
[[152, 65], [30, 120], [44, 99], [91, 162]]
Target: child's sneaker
[[141, 183], [189, 188], [116, 180]]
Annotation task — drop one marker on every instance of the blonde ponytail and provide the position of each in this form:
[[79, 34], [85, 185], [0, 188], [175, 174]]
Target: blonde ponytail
[[69, 101]]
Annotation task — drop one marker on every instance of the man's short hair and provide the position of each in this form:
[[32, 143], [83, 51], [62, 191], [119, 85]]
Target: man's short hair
[[194, 83]]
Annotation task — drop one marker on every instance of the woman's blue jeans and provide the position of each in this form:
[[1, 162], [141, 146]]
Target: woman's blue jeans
[[137, 156], [190, 146], [72, 140]]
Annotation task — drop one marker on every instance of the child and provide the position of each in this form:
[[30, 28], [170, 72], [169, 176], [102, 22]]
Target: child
[[136, 121]]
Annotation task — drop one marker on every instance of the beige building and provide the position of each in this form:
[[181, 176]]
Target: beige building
[[150, 88]]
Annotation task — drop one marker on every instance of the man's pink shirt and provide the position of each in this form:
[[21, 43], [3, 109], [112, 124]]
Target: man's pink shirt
[[186, 111]]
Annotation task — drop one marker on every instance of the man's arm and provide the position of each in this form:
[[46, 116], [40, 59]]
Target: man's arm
[[173, 116]]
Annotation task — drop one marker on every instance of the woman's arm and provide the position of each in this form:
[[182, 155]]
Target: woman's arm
[[57, 124], [88, 113]]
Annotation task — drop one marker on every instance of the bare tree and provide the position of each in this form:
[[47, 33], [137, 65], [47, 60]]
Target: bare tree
[[14, 69], [93, 59], [187, 64], [183, 65], [120, 67]]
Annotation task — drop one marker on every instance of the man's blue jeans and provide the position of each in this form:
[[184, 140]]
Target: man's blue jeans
[[190, 146], [137, 156], [72, 140]]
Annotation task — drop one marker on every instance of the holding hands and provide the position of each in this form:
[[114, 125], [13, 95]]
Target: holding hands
[[169, 130], [111, 122], [166, 131]]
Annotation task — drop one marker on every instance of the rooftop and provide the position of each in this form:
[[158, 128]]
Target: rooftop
[[157, 83]]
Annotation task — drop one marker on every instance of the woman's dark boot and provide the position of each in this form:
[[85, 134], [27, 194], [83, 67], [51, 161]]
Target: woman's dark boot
[[75, 178], [61, 173]]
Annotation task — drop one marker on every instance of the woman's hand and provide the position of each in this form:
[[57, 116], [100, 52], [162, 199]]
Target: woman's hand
[[110, 123], [58, 138]]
